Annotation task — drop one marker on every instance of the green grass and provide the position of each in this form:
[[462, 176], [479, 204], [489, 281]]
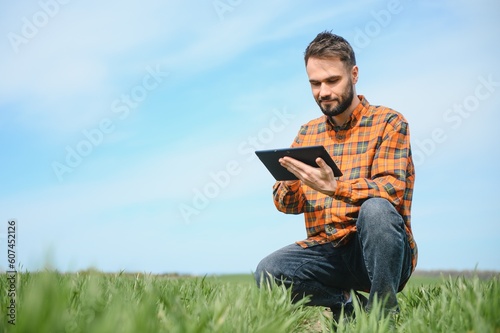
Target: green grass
[[101, 303]]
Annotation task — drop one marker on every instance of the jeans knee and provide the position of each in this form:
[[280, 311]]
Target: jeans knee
[[264, 271], [259, 273], [375, 207], [378, 213], [376, 204]]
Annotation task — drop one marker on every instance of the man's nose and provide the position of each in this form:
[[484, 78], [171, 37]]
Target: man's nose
[[324, 90]]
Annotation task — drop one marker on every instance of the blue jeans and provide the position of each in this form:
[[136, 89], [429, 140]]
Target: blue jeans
[[377, 258]]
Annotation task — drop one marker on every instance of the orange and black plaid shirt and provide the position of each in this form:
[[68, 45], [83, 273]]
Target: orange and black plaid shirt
[[373, 151]]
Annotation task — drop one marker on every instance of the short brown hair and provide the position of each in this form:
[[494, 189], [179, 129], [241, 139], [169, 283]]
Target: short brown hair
[[328, 45]]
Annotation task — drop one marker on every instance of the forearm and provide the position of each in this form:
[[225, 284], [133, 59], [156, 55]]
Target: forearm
[[357, 190], [289, 197]]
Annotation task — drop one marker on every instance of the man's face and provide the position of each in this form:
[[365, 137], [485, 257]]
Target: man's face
[[331, 84]]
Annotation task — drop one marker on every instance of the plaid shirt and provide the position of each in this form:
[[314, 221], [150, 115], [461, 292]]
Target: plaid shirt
[[373, 151]]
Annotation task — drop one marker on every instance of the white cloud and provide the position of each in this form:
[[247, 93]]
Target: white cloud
[[84, 57]]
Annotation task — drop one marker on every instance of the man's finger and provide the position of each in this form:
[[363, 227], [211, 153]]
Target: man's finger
[[291, 162], [322, 164]]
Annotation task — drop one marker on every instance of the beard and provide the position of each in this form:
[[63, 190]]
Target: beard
[[344, 102]]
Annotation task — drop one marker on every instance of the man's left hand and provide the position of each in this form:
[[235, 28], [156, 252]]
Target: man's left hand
[[321, 179]]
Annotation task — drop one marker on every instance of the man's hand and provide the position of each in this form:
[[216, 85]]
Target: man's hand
[[321, 179]]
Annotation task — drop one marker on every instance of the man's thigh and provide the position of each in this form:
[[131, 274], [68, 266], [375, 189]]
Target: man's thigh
[[321, 263]]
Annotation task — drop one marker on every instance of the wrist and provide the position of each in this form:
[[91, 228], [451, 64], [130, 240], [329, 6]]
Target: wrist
[[331, 191], [292, 185]]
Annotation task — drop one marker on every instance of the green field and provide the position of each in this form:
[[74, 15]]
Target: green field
[[50, 302]]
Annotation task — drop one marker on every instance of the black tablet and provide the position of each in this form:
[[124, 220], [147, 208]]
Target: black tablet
[[307, 155]]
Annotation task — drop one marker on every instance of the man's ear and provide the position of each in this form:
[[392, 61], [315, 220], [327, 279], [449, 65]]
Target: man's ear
[[354, 74]]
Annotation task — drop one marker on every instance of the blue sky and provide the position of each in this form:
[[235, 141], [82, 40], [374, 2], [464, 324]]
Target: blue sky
[[128, 128]]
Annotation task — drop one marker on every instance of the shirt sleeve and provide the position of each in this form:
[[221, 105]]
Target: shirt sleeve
[[289, 198], [388, 173]]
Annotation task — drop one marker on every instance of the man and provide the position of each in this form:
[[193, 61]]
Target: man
[[359, 235]]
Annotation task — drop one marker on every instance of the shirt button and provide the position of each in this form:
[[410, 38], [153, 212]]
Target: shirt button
[[340, 137]]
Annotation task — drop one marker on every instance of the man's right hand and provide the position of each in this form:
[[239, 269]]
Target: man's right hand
[[320, 179]]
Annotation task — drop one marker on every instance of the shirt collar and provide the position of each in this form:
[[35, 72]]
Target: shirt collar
[[354, 118]]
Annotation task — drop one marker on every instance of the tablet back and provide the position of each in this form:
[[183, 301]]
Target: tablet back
[[307, 155]]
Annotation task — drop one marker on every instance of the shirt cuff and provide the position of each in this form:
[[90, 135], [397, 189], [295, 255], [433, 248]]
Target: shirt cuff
[[343, 191], [293, 187]]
